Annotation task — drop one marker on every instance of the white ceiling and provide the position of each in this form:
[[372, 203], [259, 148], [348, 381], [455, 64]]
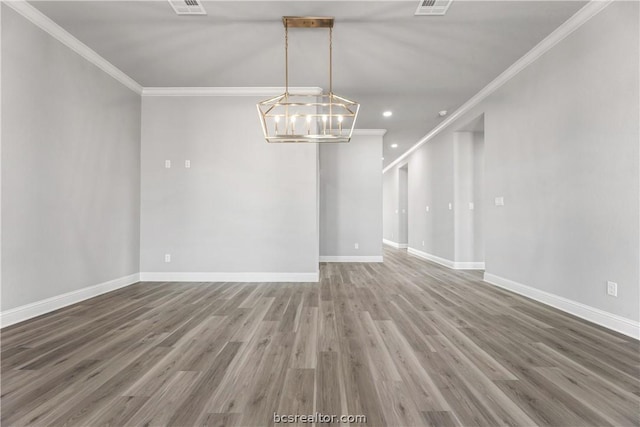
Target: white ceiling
[[384, 57]]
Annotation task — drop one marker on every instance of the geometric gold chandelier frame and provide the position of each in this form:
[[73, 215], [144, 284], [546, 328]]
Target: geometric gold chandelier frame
[[308, 117]]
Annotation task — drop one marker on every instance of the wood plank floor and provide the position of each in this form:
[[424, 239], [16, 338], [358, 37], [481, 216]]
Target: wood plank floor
[[405, 343]]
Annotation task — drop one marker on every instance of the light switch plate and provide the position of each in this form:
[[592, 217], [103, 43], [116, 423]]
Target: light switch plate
[[427, 208], [357, 246], [167, 164], [167, 257], [499, 201], [450, 206], [187, 164], [471, 206]]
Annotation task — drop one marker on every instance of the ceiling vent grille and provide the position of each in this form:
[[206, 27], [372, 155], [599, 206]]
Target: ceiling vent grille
[[433, 7], [187, 7]]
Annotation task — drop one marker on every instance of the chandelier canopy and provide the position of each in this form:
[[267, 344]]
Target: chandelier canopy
[[308, 117]]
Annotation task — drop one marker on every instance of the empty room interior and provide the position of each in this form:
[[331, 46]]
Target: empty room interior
[[362, 212]]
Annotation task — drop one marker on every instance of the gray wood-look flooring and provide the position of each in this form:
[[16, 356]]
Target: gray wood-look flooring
[[405, 343]]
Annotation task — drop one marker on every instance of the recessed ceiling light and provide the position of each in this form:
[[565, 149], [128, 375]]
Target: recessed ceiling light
[[394, 145], [387, 114], [442, 113]]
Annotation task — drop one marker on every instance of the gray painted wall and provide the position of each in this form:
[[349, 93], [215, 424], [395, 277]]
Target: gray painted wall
[[468, 181], [351, 197], [390, 225], [70, 169], [463, 194], [403, 204], [243, 206], [478, 196], [431, 184], [561, 147]]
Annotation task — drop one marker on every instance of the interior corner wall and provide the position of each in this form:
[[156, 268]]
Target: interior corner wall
[[70, 169], [561, 145], [244, 206], [351, 198]]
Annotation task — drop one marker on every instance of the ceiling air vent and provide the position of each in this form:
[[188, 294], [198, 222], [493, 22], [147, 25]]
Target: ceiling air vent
[[433, 7], [187, 7]]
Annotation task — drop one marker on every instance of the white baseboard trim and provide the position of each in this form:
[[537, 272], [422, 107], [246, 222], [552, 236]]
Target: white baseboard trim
[[228, 277], [430, 257], [617, 323], [29, 311], [351, 259], [468, 265], [447, 262], [395, 244]]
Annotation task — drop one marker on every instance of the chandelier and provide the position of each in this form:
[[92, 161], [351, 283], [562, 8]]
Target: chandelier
[[307, 117]]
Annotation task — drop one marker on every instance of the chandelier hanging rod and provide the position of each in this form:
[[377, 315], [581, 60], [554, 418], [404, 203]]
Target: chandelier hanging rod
[[307, 22]]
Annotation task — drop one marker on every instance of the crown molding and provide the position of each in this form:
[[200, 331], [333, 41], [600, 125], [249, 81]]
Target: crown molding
[[60, 34], [369, 132], [227, 91], [587, 12]]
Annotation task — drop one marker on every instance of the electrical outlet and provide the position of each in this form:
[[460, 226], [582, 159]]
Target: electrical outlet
[[396, 210], [167, 164], [357, 246], [450, 206], [187, 164], [167, 257], [471, 206], [423, 243], [612, 289], [427, 208]]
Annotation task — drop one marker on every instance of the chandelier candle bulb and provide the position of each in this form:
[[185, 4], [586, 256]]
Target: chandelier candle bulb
[[276, 120], [340, 124]]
